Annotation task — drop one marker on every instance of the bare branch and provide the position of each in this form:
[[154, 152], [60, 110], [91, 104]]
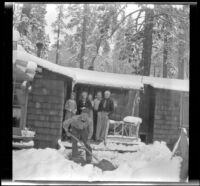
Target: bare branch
[[141, 26], [121, 10], [137, 19], [166, 20], [124, 20]]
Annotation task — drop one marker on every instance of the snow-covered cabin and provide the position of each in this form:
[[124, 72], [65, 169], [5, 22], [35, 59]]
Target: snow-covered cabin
[[41, 89], [47, 86], [164, 108]]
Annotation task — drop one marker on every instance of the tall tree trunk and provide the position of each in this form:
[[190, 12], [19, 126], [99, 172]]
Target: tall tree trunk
[[57, 48], [165, 54], [58, 40], [26, 9], [83, 38], [145, 63], [97, 52], [181, 60], [154, 70], [181, 52]]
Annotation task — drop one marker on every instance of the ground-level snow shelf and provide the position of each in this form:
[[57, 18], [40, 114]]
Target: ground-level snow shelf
[[150, 163]]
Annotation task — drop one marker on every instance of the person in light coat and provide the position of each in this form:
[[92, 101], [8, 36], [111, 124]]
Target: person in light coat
[[70, 106]]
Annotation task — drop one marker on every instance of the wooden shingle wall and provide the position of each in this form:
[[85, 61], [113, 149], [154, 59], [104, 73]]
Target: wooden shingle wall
[[45, 109], [167, 116]]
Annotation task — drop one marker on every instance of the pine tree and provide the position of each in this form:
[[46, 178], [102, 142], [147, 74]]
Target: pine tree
[[145, 63], [88, 42], [31, 26], [59, 28], [83, 34]]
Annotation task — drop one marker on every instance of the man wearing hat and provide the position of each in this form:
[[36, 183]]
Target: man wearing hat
[[82, 128]]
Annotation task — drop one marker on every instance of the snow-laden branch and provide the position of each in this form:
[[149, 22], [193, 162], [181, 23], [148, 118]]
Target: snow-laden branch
[[124, 20], [172, 14]]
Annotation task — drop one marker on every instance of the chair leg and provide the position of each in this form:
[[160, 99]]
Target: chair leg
[[122, 129]]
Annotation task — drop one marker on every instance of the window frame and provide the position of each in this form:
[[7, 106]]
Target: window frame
[[184, 95], [22, 124]]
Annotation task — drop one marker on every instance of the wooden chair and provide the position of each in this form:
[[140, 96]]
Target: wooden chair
[[129, 130]]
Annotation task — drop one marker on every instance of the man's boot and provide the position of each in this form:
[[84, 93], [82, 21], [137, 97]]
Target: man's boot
[[88, 159]]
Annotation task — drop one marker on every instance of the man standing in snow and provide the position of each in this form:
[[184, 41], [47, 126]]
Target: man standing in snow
[[82, 128], [106, 107]]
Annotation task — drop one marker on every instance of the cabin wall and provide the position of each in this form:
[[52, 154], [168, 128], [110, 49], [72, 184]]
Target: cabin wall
[[45, 108], [167, 116]]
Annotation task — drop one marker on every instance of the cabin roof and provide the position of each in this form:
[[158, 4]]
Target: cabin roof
[[166, 83], [123, 81]]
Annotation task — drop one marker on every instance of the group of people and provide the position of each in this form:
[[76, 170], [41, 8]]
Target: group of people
[[87, 119]]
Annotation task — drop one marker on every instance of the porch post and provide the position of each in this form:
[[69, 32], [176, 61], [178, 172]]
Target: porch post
[[73, 84]]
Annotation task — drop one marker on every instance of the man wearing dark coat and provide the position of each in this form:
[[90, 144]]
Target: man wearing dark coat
[[83, 103]]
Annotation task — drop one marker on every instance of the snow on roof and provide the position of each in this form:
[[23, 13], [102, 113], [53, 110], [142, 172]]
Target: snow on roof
[[165, 83], [124, 81], [24, 56]]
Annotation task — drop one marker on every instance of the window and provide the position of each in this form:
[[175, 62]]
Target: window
[[185, 111], [17, 107]]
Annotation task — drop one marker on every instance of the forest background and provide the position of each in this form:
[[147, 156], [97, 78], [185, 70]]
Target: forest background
[[150, 40]]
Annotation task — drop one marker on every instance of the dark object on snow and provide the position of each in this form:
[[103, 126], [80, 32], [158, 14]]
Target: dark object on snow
[[104, 164], [78, 159]]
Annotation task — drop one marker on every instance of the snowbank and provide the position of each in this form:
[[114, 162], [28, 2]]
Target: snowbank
[[150, 163], [112, 146]]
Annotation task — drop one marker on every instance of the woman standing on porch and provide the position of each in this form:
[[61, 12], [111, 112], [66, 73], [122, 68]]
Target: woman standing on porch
[[97, 101], [106, 107], [70, 106], [90, 98]]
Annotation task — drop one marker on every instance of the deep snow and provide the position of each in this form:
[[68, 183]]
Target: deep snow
[[150, 163]]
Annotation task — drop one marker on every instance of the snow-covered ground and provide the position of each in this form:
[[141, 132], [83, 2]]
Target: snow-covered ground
[[150, 163]]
